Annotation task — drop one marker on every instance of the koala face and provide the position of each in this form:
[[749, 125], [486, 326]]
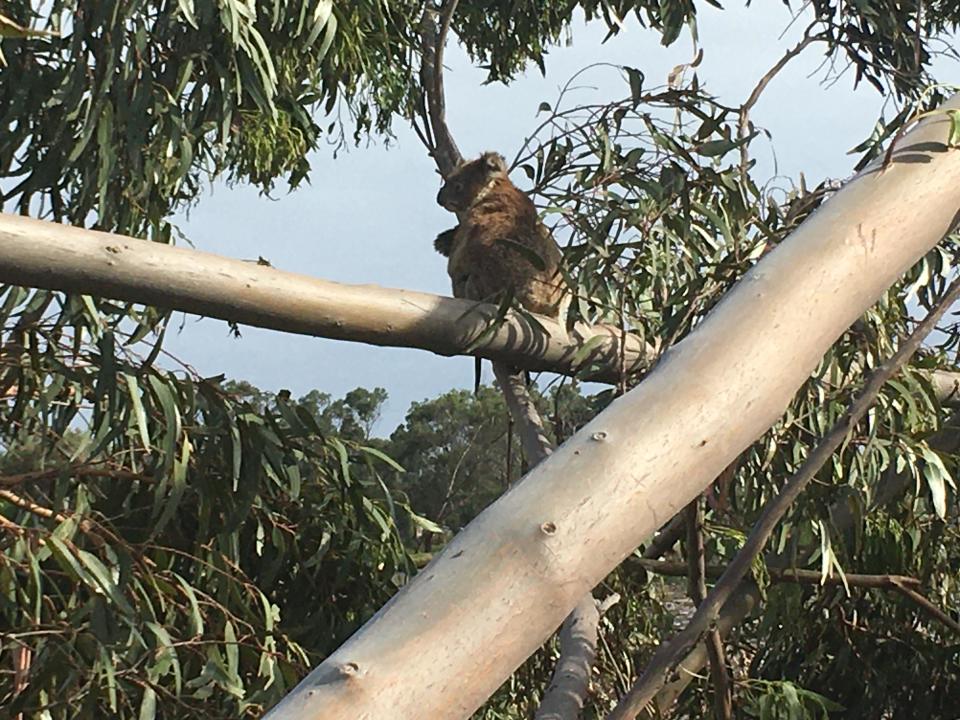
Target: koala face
[[470, 181]]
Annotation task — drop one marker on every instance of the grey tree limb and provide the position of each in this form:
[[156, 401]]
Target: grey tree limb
[[567, 692], [59, 257], [48, 255]]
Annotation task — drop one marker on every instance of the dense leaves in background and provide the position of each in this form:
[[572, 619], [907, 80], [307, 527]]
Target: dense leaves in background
[[460, 453], [168, 546], [177, 546], [119, 118]]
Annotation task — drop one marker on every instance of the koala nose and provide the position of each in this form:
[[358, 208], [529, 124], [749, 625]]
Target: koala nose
[[440, 197]]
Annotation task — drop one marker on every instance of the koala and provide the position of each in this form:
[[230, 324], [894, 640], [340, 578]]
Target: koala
[[500, 244]]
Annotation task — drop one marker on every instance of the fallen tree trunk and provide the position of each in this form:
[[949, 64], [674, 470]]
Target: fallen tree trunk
[[450, 637]]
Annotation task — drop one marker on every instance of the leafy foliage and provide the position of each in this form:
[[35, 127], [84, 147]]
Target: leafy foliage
[[138, 102], [175, 545], [889, 44], [171, 548]]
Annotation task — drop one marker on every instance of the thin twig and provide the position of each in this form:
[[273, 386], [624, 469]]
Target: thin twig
[[918, 38], [668, 657], [785, 575], [44, 512], [82, 470], [446, 15], [932, 610], [696, 568], [448, 496], [762, 85]]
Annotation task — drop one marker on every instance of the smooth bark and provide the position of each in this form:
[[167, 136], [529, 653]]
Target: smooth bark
[[59, 257], [569, 686]]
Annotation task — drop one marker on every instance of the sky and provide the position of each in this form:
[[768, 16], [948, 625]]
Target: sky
[[370, 216]]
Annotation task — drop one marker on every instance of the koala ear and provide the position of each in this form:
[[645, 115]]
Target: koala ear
[[495, 162]]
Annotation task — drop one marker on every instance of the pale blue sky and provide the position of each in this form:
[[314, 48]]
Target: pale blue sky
[[370, 216]]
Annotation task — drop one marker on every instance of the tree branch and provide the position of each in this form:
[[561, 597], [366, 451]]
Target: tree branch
[[82, 470], [696, 577], [33, 508], [932, 610], [507, 580], [59, 257], [744, 120], [666, 537], [443, 149], [533, 437], [783, 575], [570, 683], [667, 658], [903, 584], [48, 255]]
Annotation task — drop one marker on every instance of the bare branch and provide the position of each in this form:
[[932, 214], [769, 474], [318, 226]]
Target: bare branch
[[439, 95], [783, 575], [744, 122], [932, 610], [668, 657], [696, 564], [533, 437], [58, 257], [48, 255], [918, 38], [565, 697], [444, 150]]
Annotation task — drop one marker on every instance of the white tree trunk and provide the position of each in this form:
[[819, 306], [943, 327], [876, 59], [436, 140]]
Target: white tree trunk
[[445, 642]]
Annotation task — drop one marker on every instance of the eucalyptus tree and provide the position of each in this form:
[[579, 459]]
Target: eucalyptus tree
[[166, 542]]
